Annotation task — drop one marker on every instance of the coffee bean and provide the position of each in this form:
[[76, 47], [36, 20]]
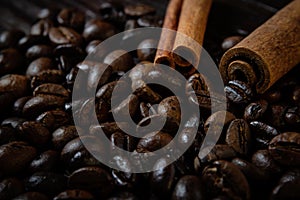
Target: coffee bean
[[138, 10], [146, 50], [92, 46], [205, 99], [292, 116], [153, 141], [145, 93], [47, 76], [170, 107], [10, 188], [74, 194], [62, 135], [15, 84], [140, 70], [15, 157], [51, 89], [108, 128], [188, 187], [35, 133], [71, 51], [31, 196], [284, 148], [54, 119], [10, 61], [119, 60], [10, 38], [37, 51], [97, 29], [48, 183], [230, 42], [8, 134], [71, 17], [123, 141], [255, 110], [196, 83], [13, 122], [129, 105], [263, 133], [224, 178], [42, 27], [39, 65], [238, 136], [147, 109], [46, 161], [263, 160], [150, 21], [64, 35], [238, 92], [31, 40], [93, 179]]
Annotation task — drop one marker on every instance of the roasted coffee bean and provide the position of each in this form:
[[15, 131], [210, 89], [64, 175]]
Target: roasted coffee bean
[[31, 196], [140, 70], [292, 116], [238, 136], [54, 119], [48, 183], [146, 49], [10, 61], [93, 179], [39, 65], [92, 46], [255, 110], [108, 128], [97, 29], [263, 160], [196, 83], [238, 92], [230, 42], [46, 13], [63, 35], [224, 178], [285, 148], [40, 50], [35, 133], [147, 109], [39, 104], [47, 76], [288, 185], [15, 157], [263, 133], [153, 141], [42, 27], [51, 89], [170, 107], [150, 21], [10, 188], [74, 194], [71, 17], [275, 115], [46, 161], [119, 60], [123, 141], [205, 99], [188, 187], [10, 38], [63, 135], [16, 84], [8, 134], [138, 10], [128, 106], [75, 53], [13, 122], [31, 40], [145, 93]]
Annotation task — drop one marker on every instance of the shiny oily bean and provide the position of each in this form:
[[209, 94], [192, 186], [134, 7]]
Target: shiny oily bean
[[255, 110], [188, 187], [224, 178], [146, 49], [51, 89], [263, 133], [42, 27], [10, 188], [138, 10], [15, 157], [46, 161], [54, 119], [35, 133], [195, 83], [139, 71], [265, 162], [94, 179], [31, 196], [13, 122], [230, 42], [97, 29], [205, 100], [16, 84], [238, 92], [119, 60], [285, 148], [48, 183], [74, 194], [108, 128], [39, 65], [10, 38], [150, 21], [64, 35], [62, 135], [71, 17], [238, 136], [47, 76], [153, 141], [72, 52], [10, 61], [170, 107], [145, 93], [40, 50]]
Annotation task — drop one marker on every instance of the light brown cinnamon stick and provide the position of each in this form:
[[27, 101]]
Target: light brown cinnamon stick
[[192, 23], [267, 53], [166, 42]]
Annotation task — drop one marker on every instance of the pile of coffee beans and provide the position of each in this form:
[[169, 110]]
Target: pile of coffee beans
[[42, 156]]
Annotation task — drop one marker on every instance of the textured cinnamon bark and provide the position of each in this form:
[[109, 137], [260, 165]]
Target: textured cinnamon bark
[[192, 23], [166, 42], [268, 53]]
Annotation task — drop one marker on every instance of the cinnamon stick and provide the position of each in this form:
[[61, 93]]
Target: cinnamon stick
[[165, 45], [192, 23], [268, 53]]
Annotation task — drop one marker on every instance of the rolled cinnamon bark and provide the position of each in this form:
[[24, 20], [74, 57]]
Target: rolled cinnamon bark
[[166, 42], [267, 53], [192, 23]]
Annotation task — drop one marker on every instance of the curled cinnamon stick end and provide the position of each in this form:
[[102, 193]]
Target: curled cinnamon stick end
[[192, 23], [268, 53], [166, 42]]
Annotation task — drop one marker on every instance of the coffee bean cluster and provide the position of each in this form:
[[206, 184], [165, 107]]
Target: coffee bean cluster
[[43, 157]]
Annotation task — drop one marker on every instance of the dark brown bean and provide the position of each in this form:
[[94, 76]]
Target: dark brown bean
[[92, 46], [54, 119], [10, 188], [230, 42], [263, 160], [196, 83], [74, 194], [145, 93], [71, 17], [8, 134], [153, 141], [170, 107], [39, 65], [255, 110], [129, 105], [35, 133], [51, 89], [10, 38], [30, 40], [150, 21], [263, 133], [10, 61], [97, 29], [41, 28], [46, 161], [15, 157], [146, 50], [188, 187], [119, 60], [64, 35], [40, 50], [292, 116], [47, 76], [238, 92], [123, 141], [16, 84], [62, 135]]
